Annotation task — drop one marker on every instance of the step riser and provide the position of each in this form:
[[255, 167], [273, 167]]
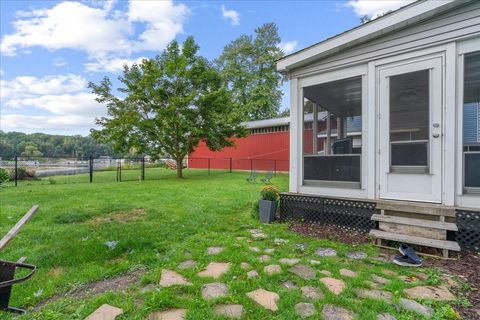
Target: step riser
[[430, 233], [440, 244]]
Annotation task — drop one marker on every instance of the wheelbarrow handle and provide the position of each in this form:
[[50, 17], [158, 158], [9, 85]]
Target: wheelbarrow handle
[[22, 279]]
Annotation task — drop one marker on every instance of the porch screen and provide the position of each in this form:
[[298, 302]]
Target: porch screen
[[471, 121], [332, 132]]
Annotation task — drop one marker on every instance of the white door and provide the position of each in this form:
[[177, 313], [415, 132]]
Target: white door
[[410, 130]]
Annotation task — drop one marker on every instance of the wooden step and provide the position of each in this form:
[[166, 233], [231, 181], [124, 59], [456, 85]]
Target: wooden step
[[416, 222], [440, 244], [416, 207]]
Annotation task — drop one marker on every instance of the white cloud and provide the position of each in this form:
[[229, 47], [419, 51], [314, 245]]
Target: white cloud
[[374, 8], [110, 65], [59, 62], [96, 30], [51, 123], [231, 15], [288, 47]]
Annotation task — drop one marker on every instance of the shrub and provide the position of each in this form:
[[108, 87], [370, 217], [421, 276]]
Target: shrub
[[52, 181], [4, 176], [270, 193], [23, 174]]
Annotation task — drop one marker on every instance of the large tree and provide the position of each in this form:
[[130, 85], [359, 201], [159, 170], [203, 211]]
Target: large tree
[[248, 64], [170, 104]]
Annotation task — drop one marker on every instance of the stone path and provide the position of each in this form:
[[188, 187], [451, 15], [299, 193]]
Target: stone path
[[233, 311], [303, 271], [289, 262], [187, 264], [264, 258], [215, 269], [414, 306], [374, 294], [170, 278], [326, 252], [252, 274], [105, 312], [386, 316], [305, 310], [214, 290], [331, 312], [348, 273], [430, 292], [336, 286], [266, 299], [289, 285], [214, 250], [312, 293], [357, 255], [171, 314], [272, 269]]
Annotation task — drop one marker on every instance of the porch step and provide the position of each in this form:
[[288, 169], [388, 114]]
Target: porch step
[[416, 207], [440, 244], [416, 222]]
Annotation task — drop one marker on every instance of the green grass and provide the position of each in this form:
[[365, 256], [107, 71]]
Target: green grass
[[66, 240]]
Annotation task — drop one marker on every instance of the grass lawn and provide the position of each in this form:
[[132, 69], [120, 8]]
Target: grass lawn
[[151, 226]]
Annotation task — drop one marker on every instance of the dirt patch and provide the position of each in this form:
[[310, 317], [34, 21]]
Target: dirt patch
[[120, 216], [56, 272], [119, 283], [330, 232]]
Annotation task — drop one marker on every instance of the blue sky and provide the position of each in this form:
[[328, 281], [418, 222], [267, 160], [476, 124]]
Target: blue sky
[[51, 49]]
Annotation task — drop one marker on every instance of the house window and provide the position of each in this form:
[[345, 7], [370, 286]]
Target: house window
[[471, 122], [332, 133]]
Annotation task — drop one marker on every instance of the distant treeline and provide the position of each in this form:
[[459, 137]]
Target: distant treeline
[[47, 145]]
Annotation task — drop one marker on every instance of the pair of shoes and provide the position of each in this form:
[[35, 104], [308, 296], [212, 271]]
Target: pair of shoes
[[408, 258]]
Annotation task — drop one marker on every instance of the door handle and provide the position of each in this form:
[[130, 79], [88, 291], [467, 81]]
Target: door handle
[[436, 135]]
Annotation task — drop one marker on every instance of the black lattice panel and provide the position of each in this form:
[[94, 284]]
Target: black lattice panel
[[355, 215], [468, 235]]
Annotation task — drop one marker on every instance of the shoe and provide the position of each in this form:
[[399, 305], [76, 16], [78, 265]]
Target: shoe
[[410, 253], [405, 261]]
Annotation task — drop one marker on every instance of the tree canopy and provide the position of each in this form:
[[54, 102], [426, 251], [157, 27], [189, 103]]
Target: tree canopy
[[171, 103]]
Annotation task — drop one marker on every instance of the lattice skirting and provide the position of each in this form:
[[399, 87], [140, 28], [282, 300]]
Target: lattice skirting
[[354, 215], [468, 235]]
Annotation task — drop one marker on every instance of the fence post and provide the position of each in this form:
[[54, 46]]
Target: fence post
[[230, 165], [208, 165], [91, 169], [143, 168], [251, 165], [16, 170], [120, 163], [117, 168], [275, 167]]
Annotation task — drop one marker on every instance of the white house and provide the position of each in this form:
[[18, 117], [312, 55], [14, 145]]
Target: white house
[[411, 82]]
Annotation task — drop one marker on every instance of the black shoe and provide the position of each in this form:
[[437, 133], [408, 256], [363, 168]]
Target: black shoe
[[405, 261], [407, 251]]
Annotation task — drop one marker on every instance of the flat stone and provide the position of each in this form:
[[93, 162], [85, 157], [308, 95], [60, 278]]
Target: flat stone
[[439, 293], [289, 285], [279, 241], [215, 269], [105, 312], [357, 255], [414, 306], [305, 310], [272, 269], [386, 316], [147, 288], [264, 258], [301, 246], [214, 250], [255, 231], [374, 294], [380, 280], [214, 290], [313, 293], [289, 262], [450, 281], [252, 274], [187, 264], [266, 299], [232, 311], [259, 236], [172, 314], [254, 249], [187, 255], [269, 250], [245, 265], [303, 271], [373, 285], [326, 272], [241, 238], [348, 273], [389, 272], [331, 312], [170, 278], [326, 252], [314, 262], [336, 286], [422, 276], [407, 279]]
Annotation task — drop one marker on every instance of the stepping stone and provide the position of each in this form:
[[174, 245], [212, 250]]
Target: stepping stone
[[407, 279], [303, 271], [264, 258], [374, 294], [336, 286], [269, 251], [214, 250], [290, 262], [348, 273], [289, 285], [147, 288], [331, 312], [301, 246], [414, 306], [380, 280], [265, 298], [257, 234], [386, 316], [187, 264], [305, 310], [314, 262], [252, 274], [215, 269], [170, 278], [172, 314], [450, 281], [439, 293], [310, 292], [232, 311], [373, 285], [272, 269], [214, 290], [241, 238], [255, 231], [245, 265], [105, 312], [422, 276], [389, 272], [326, 252], [254, 249], [187, 255], [280, 241], [357, 255], [326, 272]]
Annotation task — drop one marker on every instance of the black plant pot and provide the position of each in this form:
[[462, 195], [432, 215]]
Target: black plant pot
[[267, 210]]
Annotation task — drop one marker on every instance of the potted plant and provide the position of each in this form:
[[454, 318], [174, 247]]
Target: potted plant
[[267, 206]]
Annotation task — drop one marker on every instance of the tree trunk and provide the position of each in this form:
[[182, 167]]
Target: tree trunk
[[179, 168]]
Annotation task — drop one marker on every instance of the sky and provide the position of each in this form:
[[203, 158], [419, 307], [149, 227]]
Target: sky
[[50, 50]]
